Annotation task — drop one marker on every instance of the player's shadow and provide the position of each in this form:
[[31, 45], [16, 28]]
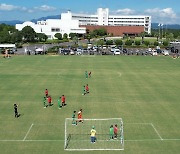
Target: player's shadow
[[49, 105], [20, 115]]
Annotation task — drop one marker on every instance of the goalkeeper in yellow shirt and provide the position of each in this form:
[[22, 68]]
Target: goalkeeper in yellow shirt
[[93, 135]]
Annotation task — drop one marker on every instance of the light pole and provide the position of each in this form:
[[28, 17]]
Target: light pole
[[162, 30], [159, 25]]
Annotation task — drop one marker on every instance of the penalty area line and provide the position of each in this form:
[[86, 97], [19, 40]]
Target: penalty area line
[[31, 140], [88, 140], [175, 139]]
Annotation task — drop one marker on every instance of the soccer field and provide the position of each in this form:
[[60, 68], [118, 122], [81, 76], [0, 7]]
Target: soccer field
[[142, 90]]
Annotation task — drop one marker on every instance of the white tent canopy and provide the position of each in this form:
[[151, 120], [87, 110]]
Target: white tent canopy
[[7, 45]]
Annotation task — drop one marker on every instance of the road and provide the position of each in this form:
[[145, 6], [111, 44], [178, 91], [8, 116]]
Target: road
[[32, 47]]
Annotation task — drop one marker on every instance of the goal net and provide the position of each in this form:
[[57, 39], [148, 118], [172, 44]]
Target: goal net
[[78, 137]]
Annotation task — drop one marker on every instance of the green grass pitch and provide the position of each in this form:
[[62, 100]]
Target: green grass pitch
[[143, 91]]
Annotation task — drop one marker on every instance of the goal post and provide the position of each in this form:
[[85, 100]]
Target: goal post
[[77, 137]]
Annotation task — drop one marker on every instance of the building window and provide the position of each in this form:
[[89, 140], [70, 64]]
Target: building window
[[55, 29]]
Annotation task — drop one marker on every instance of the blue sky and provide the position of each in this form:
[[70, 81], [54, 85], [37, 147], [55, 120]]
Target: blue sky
[[162, 11]]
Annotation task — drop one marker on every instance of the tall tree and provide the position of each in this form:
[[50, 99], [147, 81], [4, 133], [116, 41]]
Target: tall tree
[[16, 37], [29, 34], [4, 36]]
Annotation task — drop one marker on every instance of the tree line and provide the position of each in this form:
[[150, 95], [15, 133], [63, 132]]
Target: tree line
[[8, 34]]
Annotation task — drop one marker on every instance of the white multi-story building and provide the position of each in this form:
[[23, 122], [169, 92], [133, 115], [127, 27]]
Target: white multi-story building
[[52, 26], [103, 18], [70, 22]]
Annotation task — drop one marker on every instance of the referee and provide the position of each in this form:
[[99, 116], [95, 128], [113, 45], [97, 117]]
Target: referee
[[16, 110]]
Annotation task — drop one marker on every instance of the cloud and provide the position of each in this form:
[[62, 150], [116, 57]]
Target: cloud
[[6, 7], [125, 11], [166, 15], [25, 9], [45, 8], [167, 12]]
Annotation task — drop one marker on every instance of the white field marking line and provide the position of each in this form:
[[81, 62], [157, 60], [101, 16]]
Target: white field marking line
[[97, 141], [87, 140], [90, 124], [120, 74], [31, 140], [28, 132], [44, 140], [156, 132], [142, 140], [49, 124], [175, 139], [92, 149], [98, 119], [65, 138], [138, 123], [11, 140], [151, 140]]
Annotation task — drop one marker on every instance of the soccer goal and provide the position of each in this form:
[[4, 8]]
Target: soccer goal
[[77, 137]]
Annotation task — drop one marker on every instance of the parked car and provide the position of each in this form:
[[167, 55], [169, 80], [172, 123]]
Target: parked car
[[153, 52], [165, 52], [10, 51], [124, 51], [159, 51], [117, 52], [79, 51], [65, 51], [39, 51], [72, 52]]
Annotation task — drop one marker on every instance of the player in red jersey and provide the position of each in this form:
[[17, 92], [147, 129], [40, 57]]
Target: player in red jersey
[[80, 116], [49, 100], [87, 89], [46, 93], [63, 100], [115, 131]]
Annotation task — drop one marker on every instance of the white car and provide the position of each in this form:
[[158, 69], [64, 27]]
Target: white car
[[72, 52], [154, 53], [117, 52], [165, 52]]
